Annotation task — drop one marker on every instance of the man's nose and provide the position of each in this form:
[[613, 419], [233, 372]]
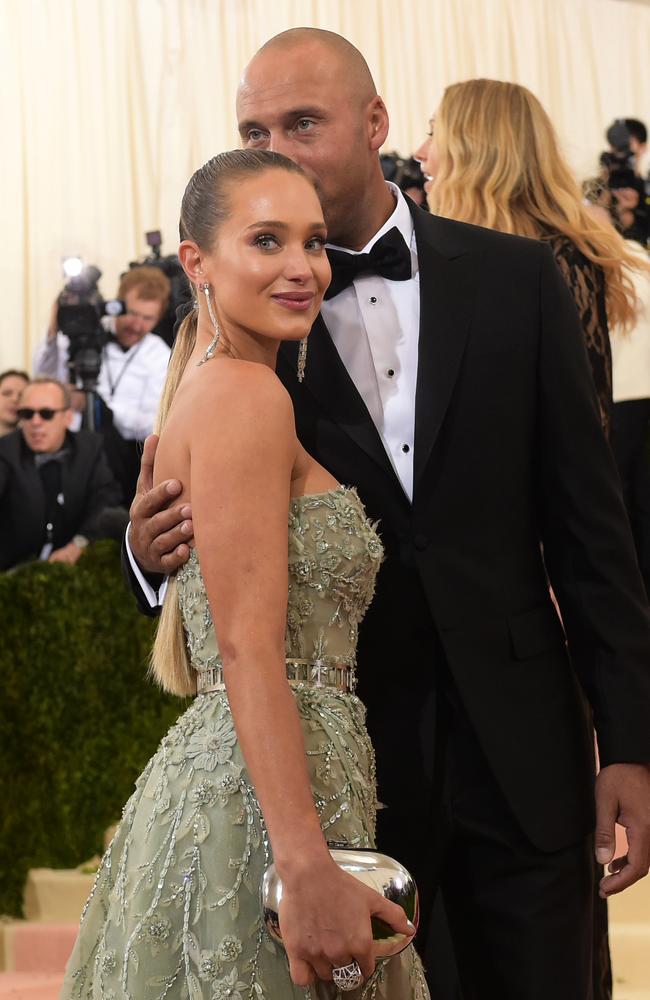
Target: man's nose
[[280, 142]]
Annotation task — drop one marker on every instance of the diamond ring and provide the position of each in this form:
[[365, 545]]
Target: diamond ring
[[348, 977]]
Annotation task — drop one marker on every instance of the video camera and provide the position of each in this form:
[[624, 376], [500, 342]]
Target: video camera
[[405, 172], [79, 314]]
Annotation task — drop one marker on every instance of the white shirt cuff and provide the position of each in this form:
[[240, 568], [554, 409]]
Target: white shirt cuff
[[155, 598]]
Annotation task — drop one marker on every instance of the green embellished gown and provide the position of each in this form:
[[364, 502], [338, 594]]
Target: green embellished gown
[[175, 909]]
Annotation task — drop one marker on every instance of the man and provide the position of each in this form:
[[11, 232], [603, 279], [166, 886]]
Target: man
[[629, 136], [452, 388], [53, 484], [132, 374]]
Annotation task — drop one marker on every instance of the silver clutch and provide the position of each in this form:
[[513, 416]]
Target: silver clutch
[[378, 871]]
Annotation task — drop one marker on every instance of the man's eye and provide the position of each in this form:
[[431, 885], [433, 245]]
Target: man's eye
[[254, 135], [266, 242], [304, 124]]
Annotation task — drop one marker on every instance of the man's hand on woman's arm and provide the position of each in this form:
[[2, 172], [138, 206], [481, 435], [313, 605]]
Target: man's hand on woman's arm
[[160, 533]]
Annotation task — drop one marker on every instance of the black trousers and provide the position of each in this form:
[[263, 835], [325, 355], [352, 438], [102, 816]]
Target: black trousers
[[520, 920], [631, 447]]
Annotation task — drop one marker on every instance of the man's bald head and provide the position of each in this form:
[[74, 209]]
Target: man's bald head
[[308, 93], [317, 44]]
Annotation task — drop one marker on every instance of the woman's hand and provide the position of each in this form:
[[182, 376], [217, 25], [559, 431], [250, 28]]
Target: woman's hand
[[325, 922]]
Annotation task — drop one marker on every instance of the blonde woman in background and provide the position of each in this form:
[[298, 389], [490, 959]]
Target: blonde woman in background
[[493, 159]]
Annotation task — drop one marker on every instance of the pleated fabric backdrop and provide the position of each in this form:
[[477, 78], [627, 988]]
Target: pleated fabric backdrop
[[107, 106]]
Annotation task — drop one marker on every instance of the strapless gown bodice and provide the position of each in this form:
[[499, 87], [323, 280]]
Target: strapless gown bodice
[[334, 556]]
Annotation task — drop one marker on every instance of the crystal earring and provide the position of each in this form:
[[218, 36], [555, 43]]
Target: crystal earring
[[302, 359], [205, 288]]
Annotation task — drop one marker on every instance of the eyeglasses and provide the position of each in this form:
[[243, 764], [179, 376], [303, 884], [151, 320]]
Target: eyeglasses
[[46, 413]]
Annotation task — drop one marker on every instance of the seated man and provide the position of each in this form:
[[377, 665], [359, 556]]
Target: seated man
[[132, 374], [53, 484], [12, 383]]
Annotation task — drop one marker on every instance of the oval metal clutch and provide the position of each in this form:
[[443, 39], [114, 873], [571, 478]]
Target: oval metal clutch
[[375, 870]]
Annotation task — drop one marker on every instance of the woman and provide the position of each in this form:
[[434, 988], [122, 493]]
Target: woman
[[492, 158], [257, 767], [12, 384]]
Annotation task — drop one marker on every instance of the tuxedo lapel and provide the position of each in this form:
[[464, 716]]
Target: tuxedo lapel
[[327, 379], [448, 276]]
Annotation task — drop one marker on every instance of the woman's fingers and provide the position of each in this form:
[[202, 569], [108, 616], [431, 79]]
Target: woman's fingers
[[301, 972], [391, 914]]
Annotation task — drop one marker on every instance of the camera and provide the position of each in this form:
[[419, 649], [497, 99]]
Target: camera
[[404, 172], [79, 314]]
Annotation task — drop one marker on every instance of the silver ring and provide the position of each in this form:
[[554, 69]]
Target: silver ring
[[348, 977]]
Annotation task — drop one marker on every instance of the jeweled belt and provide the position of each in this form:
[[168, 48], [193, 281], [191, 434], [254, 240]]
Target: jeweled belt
[[308, 673]]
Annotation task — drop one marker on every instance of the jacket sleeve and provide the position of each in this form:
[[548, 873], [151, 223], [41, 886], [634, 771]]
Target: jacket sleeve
[[145, 601], [588, 546]]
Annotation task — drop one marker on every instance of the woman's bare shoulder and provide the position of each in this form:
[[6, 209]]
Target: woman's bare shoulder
[[243, 398]]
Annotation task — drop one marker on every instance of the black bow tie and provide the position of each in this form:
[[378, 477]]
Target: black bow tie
[[390, 257]]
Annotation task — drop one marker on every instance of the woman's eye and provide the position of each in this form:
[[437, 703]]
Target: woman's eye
[[266, 242], [316, 243]]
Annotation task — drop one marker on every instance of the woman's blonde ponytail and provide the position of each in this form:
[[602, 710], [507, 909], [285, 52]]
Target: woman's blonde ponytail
[[169, 663]]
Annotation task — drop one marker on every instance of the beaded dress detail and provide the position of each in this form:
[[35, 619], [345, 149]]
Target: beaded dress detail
[[175, 909]]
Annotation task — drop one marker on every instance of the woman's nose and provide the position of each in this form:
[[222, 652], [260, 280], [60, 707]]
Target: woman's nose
[[422, 152]]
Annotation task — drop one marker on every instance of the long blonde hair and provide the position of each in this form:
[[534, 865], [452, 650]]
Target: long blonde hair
[[500, 166], [204, 207]]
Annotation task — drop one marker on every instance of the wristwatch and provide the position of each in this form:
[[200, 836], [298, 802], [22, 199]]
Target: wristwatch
[[80, 541]]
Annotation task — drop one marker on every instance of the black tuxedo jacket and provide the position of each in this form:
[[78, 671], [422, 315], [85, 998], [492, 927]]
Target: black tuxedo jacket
[[87, 485], [514, 484]]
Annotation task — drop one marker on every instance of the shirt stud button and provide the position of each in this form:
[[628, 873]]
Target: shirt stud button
[[372, 300], [390, 372], [405, 449]]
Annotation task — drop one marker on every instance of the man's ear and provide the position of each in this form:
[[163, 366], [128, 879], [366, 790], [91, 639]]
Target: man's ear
[[378, 123], [191, 260]]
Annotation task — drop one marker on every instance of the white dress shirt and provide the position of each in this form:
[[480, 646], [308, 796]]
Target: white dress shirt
[[631, 350], [374, 324]]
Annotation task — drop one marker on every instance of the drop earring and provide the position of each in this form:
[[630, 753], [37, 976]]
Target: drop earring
[[302, 359], [209, 354]]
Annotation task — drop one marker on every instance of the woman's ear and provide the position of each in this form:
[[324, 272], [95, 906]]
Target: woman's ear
[[191, 261]]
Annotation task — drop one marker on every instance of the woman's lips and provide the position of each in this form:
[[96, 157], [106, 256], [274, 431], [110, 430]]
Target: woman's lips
[[296, 301]]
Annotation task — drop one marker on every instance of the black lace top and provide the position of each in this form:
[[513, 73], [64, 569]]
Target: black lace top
[[586, 283]]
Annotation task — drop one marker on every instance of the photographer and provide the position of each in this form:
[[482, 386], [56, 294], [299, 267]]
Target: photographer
[[621, 172], [132, 371]]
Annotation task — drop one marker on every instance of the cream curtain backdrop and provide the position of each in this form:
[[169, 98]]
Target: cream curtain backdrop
[[107, 106]]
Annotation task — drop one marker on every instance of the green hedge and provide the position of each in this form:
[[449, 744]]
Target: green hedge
[[78, 718]]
